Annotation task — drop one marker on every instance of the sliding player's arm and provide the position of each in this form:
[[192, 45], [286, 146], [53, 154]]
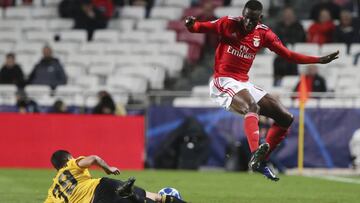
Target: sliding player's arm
[[204, 27], [275, 45], [94, 160]]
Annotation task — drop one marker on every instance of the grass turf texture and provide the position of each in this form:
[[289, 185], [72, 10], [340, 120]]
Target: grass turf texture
[[30, 186]]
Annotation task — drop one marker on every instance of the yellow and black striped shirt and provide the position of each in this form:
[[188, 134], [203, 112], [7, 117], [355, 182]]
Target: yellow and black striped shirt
[[72, 184]]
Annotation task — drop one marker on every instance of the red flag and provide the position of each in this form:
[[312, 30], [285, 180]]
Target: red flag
[[303, 90]]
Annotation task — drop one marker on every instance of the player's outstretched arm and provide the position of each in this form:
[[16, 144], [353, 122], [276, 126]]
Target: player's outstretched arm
[[274, 44], [96, 160], [329, 58], [295, 57], [201, 27]]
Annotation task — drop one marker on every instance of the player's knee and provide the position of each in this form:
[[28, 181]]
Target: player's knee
[[243, 109], [284, 119], [240, 107], [254, 107], [289, 119]]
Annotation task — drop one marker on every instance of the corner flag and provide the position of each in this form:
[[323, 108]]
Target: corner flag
[[304, 95]]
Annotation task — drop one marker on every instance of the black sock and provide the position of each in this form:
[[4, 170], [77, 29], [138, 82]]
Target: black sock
[[171, 199], [137, 198]]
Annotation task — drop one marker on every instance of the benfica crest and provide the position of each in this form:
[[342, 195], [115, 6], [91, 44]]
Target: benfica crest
[[256, 42]]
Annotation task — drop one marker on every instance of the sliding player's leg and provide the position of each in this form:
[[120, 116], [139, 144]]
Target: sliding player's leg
[[163, 198], [127, 191], [142, 196], [108, 191], [126, 188]]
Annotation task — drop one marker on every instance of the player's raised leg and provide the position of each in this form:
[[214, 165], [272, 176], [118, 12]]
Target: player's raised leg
[[245, 104], [271, 107]]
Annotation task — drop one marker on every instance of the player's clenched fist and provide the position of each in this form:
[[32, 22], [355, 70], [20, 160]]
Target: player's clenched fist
[[189, 21]]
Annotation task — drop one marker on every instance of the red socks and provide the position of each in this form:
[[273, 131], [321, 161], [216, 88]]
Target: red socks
[[251, 126], [275, 135]]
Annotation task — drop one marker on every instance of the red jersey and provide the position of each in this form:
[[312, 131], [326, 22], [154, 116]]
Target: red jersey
[[237, 50]]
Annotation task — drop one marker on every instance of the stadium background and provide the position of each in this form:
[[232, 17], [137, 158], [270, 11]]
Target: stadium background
[[157, 73]]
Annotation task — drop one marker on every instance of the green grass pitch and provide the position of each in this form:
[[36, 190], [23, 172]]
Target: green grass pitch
[[30, 186]]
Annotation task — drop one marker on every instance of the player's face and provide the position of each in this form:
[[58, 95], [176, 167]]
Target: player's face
[[251, 19]]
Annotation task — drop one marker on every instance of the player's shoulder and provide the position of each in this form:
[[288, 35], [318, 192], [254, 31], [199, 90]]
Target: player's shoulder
[[227, 21], [263, 30], [262, 27], [230, 20], [233, 18], [73, 163]]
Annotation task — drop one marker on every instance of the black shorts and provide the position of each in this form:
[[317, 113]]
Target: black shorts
[[105, 192]]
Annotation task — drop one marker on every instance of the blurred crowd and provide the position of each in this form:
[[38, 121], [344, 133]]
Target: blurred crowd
[[333, 21], [48, 71], [104, 106]]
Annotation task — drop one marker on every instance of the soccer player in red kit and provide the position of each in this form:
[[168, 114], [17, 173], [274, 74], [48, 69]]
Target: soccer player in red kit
[[240, 38]]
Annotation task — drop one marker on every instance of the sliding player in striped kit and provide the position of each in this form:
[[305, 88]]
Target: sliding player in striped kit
[[240, 39]]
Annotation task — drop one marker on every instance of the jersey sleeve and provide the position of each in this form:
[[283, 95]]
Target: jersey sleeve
[[215, 26], [273, 42], [73, 163]]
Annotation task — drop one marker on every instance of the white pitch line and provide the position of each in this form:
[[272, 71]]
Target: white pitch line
[[337, 178]]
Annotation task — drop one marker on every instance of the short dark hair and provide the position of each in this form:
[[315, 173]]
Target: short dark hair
[[11, 55], [60, 158], [254, 5]]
